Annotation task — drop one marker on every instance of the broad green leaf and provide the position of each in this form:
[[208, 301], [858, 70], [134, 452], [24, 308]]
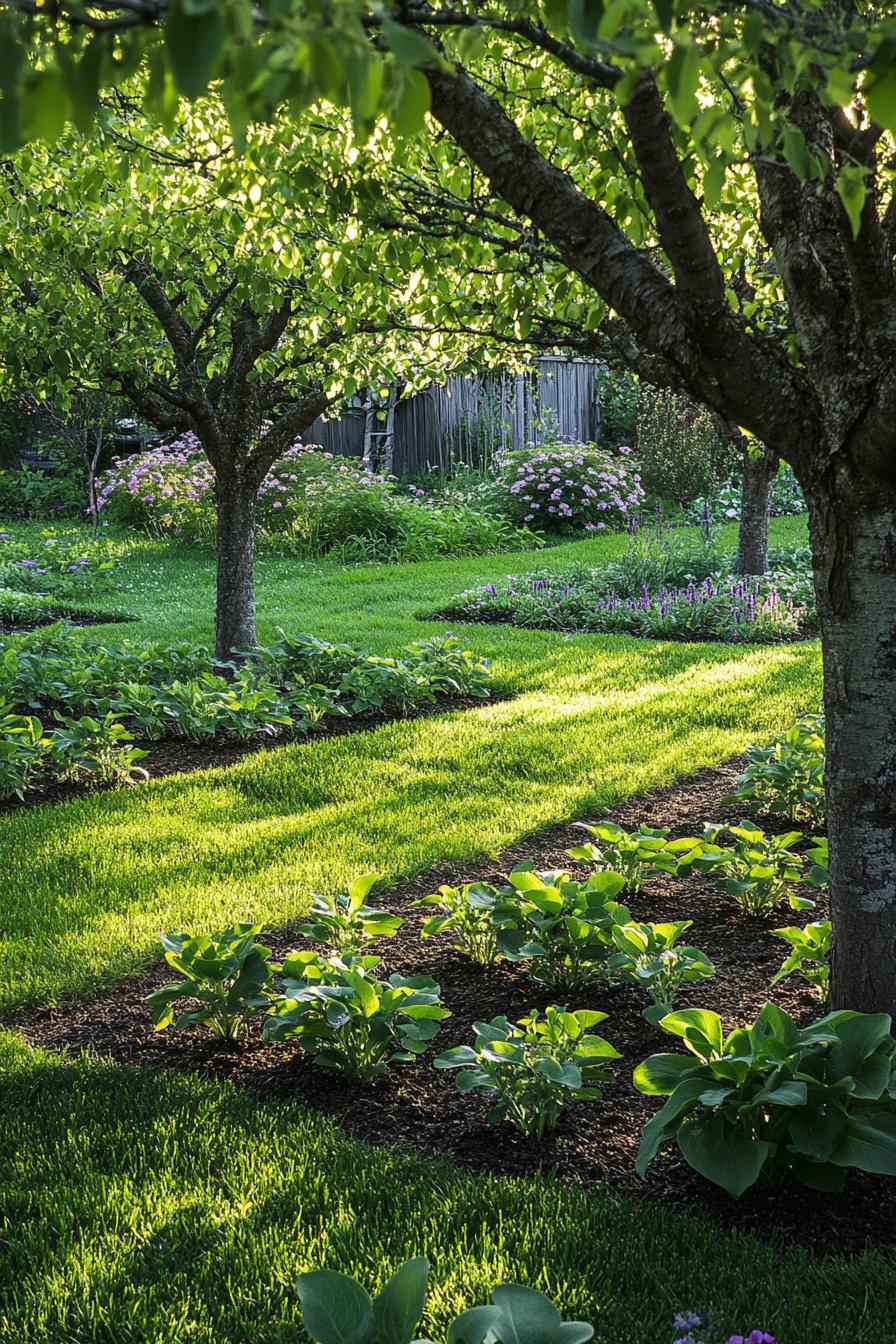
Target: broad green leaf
[[335, 1308], [398, 1308]]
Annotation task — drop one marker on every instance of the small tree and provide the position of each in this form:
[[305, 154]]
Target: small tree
[[188, 288]]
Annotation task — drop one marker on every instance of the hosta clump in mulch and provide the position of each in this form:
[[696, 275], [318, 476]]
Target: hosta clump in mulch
[[416, 1107]]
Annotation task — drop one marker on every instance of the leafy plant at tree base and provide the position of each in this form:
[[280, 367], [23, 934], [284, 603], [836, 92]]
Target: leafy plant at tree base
[[811, 949], [336, 1309], [637, 855], [758, 870], [229, 973], [649, 958], [101, 748], [787, 776], [348, 1019], [561, 926], [535, 1068], [773, 1098], [345, 923], [466, 913]]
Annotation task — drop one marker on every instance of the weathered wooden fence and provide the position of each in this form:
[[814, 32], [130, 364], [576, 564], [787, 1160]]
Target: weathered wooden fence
[[468, 419]]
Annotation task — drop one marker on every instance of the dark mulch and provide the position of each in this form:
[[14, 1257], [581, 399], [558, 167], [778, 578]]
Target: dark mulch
[[418, 1108], [797, 636], [174, 756]]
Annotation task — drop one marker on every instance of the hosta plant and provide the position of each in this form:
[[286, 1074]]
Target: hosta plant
[[348, 1019], [534, 1068], [637, 855], [345, 923], [787, 776], [98, 748], [757, 870], [23, 749], [773, 1098], [336, 1309], [810, 951], [648, 956], [561, 927], [466, 915], [228, 973]]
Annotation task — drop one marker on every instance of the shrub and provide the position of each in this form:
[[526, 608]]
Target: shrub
[[649, 958], [811, 948], [309, 501], [562, 927], [466, 913], [348, 1019], [637, 856], [337, 1310], [532, 1070], [787, 776], [345, 923], [29, 493], [723, 503], [774, 1098], [562, 487], [229, 973], [681, 451], [758, 870]]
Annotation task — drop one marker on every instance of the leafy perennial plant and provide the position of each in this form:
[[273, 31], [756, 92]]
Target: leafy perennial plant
[[534, 1068], [772, 1098]]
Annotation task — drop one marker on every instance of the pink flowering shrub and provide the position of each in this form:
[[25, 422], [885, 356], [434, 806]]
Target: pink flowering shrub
[[571, 487]]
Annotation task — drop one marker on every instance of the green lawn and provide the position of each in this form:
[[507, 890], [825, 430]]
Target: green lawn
[[588, 721], [137, 1209]]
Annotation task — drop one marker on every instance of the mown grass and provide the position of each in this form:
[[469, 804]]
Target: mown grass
[[138, 1208], [142, 1209], [589, 722]]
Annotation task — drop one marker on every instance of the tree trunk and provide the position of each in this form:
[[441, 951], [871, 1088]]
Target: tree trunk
[[235, 603], [855, 557], [755, 511]]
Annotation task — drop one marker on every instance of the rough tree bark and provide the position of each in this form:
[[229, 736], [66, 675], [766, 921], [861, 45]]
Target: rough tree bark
[[757, 480], [854, 541], [235, 498]]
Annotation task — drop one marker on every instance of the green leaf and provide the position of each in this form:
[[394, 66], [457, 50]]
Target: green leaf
[[869, 1144], [193, 42], [723, 1157], [335, 1308], [682, 76], [409, 114], [399, 1306], [407, 46], [880, 95], [659, 1075], [850, 187]]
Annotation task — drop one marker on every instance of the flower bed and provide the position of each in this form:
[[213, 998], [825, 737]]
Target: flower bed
[[309, 501], [720, 606]]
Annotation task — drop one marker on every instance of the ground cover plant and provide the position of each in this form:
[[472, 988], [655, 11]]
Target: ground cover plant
[[719, 606]]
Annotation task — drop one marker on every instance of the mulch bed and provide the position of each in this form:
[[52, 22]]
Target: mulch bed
[[417, 1107], [11, 625], [177, 755]]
